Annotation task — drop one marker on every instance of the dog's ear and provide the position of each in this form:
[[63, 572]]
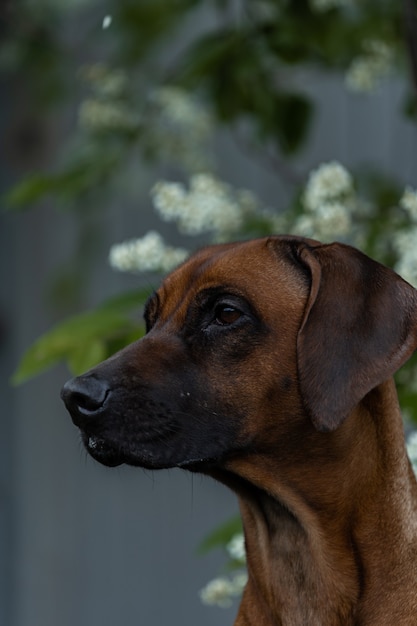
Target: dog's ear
[[359, 327]]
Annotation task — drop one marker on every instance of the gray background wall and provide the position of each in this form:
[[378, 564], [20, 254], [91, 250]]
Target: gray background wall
[[82, 545]]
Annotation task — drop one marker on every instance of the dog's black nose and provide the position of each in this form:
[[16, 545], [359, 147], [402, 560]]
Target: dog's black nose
[[84, 397]]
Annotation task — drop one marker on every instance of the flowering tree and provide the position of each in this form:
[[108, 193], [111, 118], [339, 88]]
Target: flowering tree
[[239, 72]]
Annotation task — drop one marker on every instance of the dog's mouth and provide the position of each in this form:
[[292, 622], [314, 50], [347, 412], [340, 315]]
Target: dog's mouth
[[108, 454], [102, 451]]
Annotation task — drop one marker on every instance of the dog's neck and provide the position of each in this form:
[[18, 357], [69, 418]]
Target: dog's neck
[[314, 536]]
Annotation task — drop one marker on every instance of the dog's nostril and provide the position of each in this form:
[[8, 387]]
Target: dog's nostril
[[85, 395], [87, 402]]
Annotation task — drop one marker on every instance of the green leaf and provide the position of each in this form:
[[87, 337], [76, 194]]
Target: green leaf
[[86, 173], [83, 340], [221, 536], [66, 340], [294, 114], [85, 356], [410, 106], [209, 53], [144, 23], [29, 191], [126, 301]]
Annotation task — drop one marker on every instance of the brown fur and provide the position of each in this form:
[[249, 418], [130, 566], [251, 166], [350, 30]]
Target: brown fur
[[290, 401]]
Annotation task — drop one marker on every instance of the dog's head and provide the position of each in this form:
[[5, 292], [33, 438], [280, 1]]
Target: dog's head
[[247, 344]]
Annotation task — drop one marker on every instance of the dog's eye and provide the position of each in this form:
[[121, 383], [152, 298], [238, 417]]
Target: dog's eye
[[225, 314]]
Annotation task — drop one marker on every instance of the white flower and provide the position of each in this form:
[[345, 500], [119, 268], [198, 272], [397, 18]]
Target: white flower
[[367, 70], [329, 182], [147, 254], [221, 591], [178, 108], [412, 450], [218, 592], [332, 220], [405, 244], [329, 201], [106, 82], [209, 205], [169, 200], [409, 202], [236, 548], [106, 115], [405, 241], [212, 206], [305, 226], [247, 201], [239, 582], [179, 128]]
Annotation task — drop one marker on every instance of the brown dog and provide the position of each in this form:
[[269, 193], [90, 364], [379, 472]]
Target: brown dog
[[267, 365]]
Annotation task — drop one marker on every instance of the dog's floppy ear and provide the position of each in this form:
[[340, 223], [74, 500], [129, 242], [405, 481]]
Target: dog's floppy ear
[[359, 327]]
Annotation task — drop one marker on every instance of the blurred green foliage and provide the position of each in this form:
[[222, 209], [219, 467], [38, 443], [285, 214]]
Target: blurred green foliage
[[86, 339], [245, 61], [221, 536], [242, 59]]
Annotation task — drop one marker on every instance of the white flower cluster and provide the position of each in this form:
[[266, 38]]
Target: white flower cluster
[[179, 128], [236, 548], [405, 244], [405, 240], [222, 590], [146, 254], [104, 81], [409, 203], [330, 182], [208, 205], [177, 107], [328, 201], [107, 109], [100, 115], [370, 68], [326, 5], [412, 450]]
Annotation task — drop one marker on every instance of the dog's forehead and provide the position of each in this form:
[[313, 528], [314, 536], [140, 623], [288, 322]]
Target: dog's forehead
[[253, 268]]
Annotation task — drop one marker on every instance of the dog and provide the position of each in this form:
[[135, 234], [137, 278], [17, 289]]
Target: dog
[[268, 365]]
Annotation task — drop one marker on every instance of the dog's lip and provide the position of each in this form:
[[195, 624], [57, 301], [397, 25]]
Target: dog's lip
[[94, 443], [191, 462], [106, 454], [102, 451], [196, 463]]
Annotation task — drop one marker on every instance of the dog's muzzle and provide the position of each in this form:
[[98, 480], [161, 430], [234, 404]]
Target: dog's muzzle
[[145, 423], [85, 398]]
